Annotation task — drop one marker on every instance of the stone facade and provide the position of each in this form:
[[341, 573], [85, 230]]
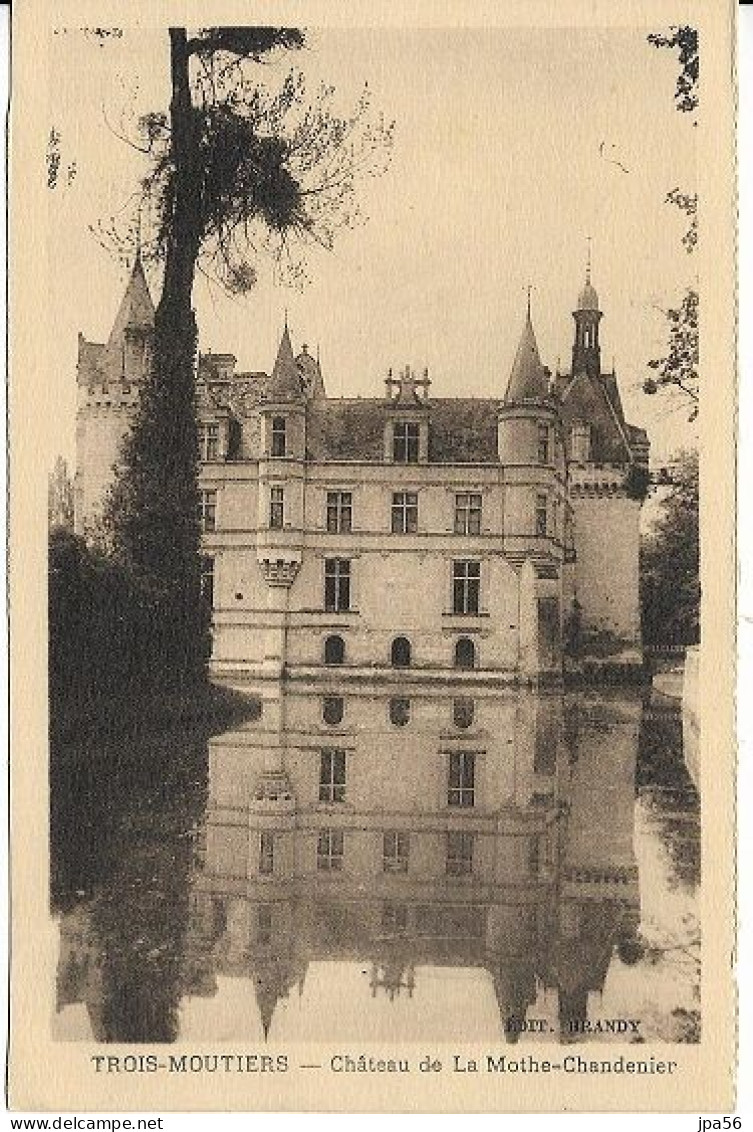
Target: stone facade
[[403, 536]]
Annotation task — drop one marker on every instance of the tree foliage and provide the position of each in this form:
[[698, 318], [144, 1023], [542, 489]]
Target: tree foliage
[[684, 40], [233, 168], [677, 371], [670, 586], [277, 166]]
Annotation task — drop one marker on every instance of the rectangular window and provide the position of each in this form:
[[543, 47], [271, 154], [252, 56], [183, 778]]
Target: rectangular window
[[329, 850], [394, 918], [467, 514], [332, 775], [461, 778], [534, 856], [266, 852], [459, 854], [405, 442], [209, 441], [336, 585], [542, 515], [466, 586], [276, 508], [339, 512], [580, 442], [264, 925], [395, 851], [208, 510], [404, 513], [207, 579], [279, 439], [543, 444]]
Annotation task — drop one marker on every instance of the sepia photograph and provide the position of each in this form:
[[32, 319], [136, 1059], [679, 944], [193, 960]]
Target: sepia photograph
[[370, 410]]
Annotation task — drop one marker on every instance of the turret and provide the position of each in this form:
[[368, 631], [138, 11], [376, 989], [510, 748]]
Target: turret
[[586, 349], [531, 453], [283, 406], [109, 375], [128, 347], [311, 373], [527, 415], [279, 544]]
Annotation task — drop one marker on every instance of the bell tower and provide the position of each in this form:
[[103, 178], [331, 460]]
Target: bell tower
[[586, 348]]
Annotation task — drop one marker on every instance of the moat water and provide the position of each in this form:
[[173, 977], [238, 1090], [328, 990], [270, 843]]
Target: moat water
[[405, 865]]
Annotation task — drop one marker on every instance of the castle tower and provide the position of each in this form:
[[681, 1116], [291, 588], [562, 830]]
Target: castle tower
[[108, 377], [529, 447], [279, 545], [607, 472]]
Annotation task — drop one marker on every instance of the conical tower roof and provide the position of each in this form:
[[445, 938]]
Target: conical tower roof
[[285, 384], [136, 309], [588, 300], [528, 380]]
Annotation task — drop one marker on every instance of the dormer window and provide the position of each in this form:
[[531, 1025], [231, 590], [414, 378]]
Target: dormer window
[[209, 441], [279, 436], [405, 442], [580, 442]]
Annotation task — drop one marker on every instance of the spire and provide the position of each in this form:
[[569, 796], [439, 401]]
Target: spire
[[528, 379], [285, 382], [136, 311], [588, 300]]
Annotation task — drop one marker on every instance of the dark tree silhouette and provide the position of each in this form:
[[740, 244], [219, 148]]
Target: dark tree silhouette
[[670, 586], [232, 168]]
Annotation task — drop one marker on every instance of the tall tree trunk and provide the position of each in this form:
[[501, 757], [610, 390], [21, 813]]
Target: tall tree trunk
[[155, 508]]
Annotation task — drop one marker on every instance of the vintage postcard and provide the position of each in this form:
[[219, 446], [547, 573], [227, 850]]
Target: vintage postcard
[[372, 409]]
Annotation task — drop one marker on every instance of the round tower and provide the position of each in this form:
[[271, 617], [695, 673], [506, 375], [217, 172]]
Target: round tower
[[530, 451], [279, 537]]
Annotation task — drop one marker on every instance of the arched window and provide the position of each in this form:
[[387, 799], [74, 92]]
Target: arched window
[[334, 650], [401, 651], [332, 709], [399, 711], [465, 653]]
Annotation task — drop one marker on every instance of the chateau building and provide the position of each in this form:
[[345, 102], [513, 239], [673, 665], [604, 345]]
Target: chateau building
[[406, 534]]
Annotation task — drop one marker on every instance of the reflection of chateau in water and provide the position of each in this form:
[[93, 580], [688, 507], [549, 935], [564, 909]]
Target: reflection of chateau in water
[[491, 833], [363, 852]]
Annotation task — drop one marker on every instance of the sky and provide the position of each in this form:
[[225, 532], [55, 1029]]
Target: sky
[[512, 146]]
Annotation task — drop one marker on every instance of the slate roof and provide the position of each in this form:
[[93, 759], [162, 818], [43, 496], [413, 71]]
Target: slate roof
[[528, 380], [136, 309], [285, 383], [461, 430], [588, 300]]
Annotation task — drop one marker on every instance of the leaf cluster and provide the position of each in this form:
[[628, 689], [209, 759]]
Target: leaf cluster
[[678, 369], [683, 39]]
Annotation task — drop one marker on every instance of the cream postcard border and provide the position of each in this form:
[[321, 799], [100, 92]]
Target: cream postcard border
[[47, 1075]]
